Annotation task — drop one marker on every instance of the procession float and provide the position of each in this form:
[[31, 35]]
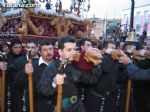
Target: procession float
[[26, 19]]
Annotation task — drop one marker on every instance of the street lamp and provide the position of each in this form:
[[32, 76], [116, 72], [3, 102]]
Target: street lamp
[[132, 15], [132, 33]]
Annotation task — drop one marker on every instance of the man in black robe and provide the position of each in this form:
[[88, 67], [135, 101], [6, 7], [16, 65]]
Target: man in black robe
[[16, 67], [21, 79], [51, 77], [140, 87], [104, 96], [13, 54]]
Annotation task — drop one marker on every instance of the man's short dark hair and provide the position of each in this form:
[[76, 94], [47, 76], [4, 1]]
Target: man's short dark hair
[[65, 39], [82, 42], [2, 45], [45, 42], [15, 41], [32, 40], [105, 43], [127, 43], [100, 45]]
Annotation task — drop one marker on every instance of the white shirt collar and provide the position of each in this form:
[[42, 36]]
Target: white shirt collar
[[27, 57], [42, 61]]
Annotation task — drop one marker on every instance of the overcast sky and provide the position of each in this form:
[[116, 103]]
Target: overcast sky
[[101, 8], [111, 8]]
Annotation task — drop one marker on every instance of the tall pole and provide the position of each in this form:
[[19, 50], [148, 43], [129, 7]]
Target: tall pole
[[3, 89], [127, 106], [132, 15], [30, 84]]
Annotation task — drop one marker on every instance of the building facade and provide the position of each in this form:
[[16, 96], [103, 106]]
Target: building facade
[[141, 17], [98, 29], [106, 28]]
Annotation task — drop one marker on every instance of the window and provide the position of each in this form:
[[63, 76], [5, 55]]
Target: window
[[137, 27], [138, 18], [145, 25], [125, 21], [146, 13], [125, 18]]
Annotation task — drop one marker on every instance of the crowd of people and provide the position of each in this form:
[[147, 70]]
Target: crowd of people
[[95, 80]]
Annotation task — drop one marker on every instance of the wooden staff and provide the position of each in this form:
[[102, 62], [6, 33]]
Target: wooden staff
[[3, 89], [60, 89], [59, 98], [3, 81], [30, 82], [128, 96], [0, 93]]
